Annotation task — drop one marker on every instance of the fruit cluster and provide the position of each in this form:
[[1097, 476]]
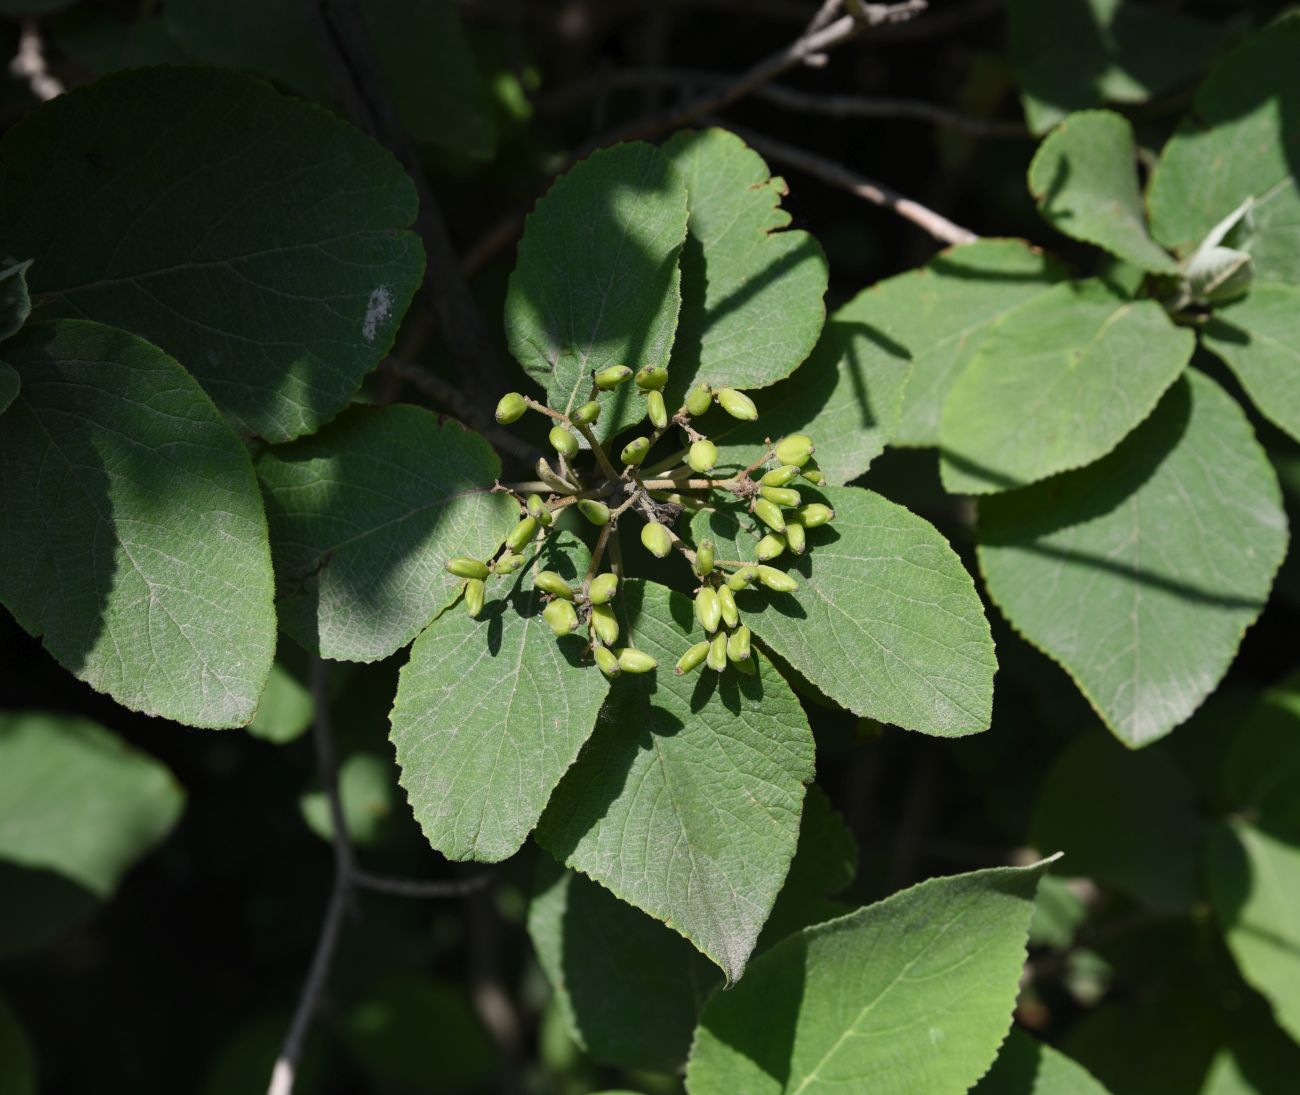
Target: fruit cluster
[[685, 480]]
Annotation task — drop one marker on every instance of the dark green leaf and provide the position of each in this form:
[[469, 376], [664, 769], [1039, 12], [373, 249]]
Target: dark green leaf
[[1262, 770], [255, 238], [1259, 338], [132, 535], [913, 994], [364, 516], [15, 301], [1026, 1066], [1140, 573], [686, 801]]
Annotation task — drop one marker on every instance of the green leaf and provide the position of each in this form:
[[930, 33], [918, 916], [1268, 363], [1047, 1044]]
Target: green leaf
[[368, 793], [132, 538], [10, 383], [1026, 1066], [597, 282], [364, 516], [1255, 890], [846, 396], [630, 988], [1084, 178], [686, 801], [17, 1060], [1056, 386], [1058, 914], [1259, 338], [940, 315], [1249, 102], [78, 801], [1073, 54], [1256, 1064], [1261, 772], [1143, 836], [1141, 573], [15, 301], [886, 620], [490, 713], [255, 238], [285, 709], [911, 994], [752, 287]]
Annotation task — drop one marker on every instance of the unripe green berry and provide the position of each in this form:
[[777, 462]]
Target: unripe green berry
[[782, 496], [717, 656], [610, 378], [595, 512], [776, 580], [607, 660], [699, 400], [474, 591], [794, 536], [704, 558], [521, 533], [727, 602], [602, 589], [656, 410], [813, 473], [586, 414], [692, 658], [561, 617], [652, 378], [658, 541], [632, 660], [814, 514], [508, 563], [741, 578], [563, 442], [738, 405], [511, 408], [794, 449], [779, 477], [635, 450], [770, 514], [707, 609], [738, 645], [464, 567], [770, 546], [703, 455], [538, 510], [605, 624], [550, 582]]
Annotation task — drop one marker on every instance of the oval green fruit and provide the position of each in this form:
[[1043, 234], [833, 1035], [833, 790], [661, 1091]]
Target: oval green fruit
[[611, 377], [474, 592], [550, 582], [815, 514], [739, 405], [656, 539], [607, 660], [699, 400], [605, 624], [586, 414], [521, 533], [776, 580], [511, 408], [770, 514], [794, 536], [656, 410], [561, 617], [707, 609], [602, 589], [632, 660], [635, 451], [779, 477], [693, 658], [738, 645], [704, 558], [595, 512], [727, 601], [770, 546], [717, 656], [782, 496], [796, 448], [652, 378], [464, 567], [563, 442], [703, 455]]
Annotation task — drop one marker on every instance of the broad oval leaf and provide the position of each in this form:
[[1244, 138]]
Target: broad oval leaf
[[686, 800], [276, 274], [752, 287], [911, 994], [1084, 178], [938, 317], [1238, 142], [1140, 573], [1057, 385], [1255, 890], [1026, 1066], [490, 713], [364, 516], [132, 537], [597, 281], [1259, 338], [886, 620]]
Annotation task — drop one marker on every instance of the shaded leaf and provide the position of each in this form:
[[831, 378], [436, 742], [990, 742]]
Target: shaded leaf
[[1262, 1062], [1237, 142], [911, 994], [1056, 386], [1261, 772], [752, 287], [1084, 178], [276, 274], [886, 621], [1259, 338], [364, 516], [686, 800], [368, 794], [1026, 1066], [596, 282], [285, 709], [490, 713], [15, 301], [1140, 573], [132, 536]]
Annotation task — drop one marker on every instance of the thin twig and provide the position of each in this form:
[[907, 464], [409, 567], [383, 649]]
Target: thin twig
[[29, 64], [418, 887], [939, 226]]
